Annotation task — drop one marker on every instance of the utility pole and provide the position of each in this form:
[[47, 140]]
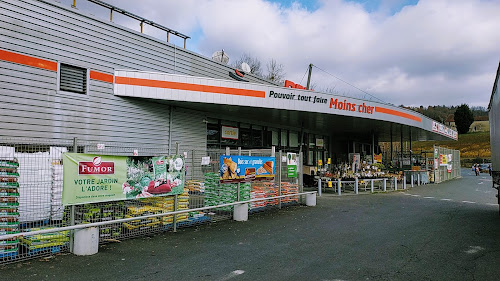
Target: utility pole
[[309, 76]]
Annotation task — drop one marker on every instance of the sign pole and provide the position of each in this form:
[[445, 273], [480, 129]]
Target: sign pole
[[174, 220], [72, 212]]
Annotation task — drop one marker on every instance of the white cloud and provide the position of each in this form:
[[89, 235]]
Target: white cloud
[[435, 52]]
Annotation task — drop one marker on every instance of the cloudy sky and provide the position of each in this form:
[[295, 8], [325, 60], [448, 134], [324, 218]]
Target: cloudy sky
[[427, 52]]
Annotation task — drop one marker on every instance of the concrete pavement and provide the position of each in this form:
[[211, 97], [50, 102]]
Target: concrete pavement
[[392, 236]]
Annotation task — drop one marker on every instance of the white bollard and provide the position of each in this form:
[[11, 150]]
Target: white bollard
[[240, 212], [395, 184], [404, 182], [418, 179], [311, 199], [411, 180], [385, 185], [356, 185], [339, 186], [319, 187], [371, 187], [86, 241]]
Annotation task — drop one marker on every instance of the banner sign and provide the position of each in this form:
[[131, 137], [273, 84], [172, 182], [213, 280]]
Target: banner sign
[[234, 168], [229, 133], [90, 178], [443, 160], [377, 158], [291, 164]]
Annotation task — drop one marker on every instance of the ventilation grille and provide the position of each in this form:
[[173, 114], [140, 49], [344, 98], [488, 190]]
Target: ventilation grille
[[73, 79]]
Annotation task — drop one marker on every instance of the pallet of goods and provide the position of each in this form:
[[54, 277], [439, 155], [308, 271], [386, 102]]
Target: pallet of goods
[[9, 206], [217, 194], [43, 243], [288, 189]]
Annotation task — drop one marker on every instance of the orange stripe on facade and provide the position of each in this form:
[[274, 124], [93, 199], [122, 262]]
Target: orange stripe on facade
[[397, 113], [188, 87], [28, 60], [104, 77]]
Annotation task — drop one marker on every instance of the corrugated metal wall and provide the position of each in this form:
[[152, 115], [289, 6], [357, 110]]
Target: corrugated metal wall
[[33, 108]]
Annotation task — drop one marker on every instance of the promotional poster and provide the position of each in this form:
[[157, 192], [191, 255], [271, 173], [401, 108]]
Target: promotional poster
[[90, 178], [246, 168]]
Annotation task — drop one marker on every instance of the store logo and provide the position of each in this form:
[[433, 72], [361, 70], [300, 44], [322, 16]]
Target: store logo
[[96, 167]]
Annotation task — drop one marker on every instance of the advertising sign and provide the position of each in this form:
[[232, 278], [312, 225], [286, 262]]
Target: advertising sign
[[443, 160], [90, 178], [291, 164], [229, 133], [320, 142], [377, 158], [234, 168]]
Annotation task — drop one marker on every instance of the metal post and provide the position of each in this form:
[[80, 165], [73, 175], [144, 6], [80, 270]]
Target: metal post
[[174, 220], [239, 184], [110, 14], [72, 210], [385, 184], [309, 76], [175, 216], [168, 33], [279, 178], [301, 175], [319, 187], [371, 187], [74, 4], [373, 148], [356, 185], [339, 184]]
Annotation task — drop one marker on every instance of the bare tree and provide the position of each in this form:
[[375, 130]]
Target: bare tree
[[253, 62], [275, 71]]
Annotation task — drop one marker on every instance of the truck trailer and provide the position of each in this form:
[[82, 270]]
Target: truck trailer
[[494, 115]]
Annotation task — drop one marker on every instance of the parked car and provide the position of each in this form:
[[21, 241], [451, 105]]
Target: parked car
[[483, 168]]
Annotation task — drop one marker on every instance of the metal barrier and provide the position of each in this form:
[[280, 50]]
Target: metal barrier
[[363, 185]]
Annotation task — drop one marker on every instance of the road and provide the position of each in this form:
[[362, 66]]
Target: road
[[449, 231]]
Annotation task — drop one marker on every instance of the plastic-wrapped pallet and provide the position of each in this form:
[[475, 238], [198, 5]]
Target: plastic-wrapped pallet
[[217, 194], [35, 186], [9, 214], [57, 209]]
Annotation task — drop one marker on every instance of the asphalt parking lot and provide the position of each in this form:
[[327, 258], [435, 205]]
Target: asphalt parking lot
[[409, 235]]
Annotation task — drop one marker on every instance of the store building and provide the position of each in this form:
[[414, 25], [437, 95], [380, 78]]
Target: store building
[[67, 74]]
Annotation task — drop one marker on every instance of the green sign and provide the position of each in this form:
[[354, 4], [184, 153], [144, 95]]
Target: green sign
[[291, 164], [92, 178]]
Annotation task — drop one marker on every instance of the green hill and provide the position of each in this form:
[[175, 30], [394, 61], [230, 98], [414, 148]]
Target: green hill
[[474, 147]]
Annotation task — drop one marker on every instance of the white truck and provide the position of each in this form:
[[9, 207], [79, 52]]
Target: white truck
[[494, 115]]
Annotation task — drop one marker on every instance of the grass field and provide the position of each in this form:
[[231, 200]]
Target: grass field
[[471, 145]]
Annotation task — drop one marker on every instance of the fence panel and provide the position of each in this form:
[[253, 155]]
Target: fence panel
[[31, 196]]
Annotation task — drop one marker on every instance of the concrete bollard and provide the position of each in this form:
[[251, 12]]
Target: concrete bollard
[[311, 199], [86, 241], [240, 212]]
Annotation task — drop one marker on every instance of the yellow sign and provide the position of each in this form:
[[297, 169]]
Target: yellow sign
[[377, 158], [320, 162], [330, 184], [329, 161]]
